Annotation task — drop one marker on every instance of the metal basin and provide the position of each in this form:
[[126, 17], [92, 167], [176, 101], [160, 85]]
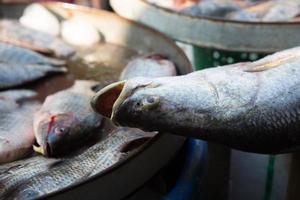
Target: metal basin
[[212, 33], [126, 176]]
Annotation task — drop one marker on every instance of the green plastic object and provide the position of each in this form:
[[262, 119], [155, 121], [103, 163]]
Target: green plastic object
[[206, 57]]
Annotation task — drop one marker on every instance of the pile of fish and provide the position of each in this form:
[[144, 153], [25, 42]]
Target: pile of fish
[[241, 10], [48, 144], [64, 119]]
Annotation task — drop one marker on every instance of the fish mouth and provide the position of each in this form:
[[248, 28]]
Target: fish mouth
[[107, 100]]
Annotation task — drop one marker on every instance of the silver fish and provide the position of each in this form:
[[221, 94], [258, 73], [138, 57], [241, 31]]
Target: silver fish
[[66, 119], [13, 32], [150, 66], [13, 54], [37, 176], [274, 10], [16, 130], [14, 74], [248, 106]]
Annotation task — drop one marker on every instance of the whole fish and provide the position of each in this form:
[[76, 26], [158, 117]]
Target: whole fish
[[37, 176], [150, 66], [16, 124], [14, 74], [66, 119], [249, 106], [13, 54], [12, 32]]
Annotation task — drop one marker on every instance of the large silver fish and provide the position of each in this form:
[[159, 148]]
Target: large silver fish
[[66, 119], [16, 124], [13, 32], [37, 176], [249, 106]]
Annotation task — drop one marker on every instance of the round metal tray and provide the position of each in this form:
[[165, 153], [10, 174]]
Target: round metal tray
[[126, 176], [210, 32]]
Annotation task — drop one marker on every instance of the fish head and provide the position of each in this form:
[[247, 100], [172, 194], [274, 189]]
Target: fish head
[[155, 104], [55, 132]]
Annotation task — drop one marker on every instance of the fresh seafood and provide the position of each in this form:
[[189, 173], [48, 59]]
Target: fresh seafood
[[154, 65], [66, 119], [13, 54], [14, 74], [39, 18], [150, 66], [13, 32], [280, 10], [79, 33], [249, 106], [16, 131], [245, 10], [37, 176]]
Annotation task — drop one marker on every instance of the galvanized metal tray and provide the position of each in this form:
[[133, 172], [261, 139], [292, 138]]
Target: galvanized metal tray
[[126, 176], [210, 32]]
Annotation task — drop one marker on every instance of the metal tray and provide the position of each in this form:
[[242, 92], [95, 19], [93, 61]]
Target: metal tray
[[210, 32], [126, 176]]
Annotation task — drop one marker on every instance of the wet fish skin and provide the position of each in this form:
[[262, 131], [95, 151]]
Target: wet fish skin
[[29, 179], [154, 65], [253, 107], [14, 54], [66, 118], [12, 32], [16, 131], [14, 74]]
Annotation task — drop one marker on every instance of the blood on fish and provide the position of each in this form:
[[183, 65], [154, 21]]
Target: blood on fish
[[51, 124]]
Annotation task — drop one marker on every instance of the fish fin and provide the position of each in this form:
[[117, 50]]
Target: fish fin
[[269, 64]]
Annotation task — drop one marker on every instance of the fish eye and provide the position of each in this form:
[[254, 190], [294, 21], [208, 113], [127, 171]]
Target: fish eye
[[59, 130], [150, 102]]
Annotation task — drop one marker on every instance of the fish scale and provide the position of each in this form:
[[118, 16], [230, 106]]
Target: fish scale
[[37, 182]]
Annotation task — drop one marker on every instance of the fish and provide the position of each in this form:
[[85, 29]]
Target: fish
[[267, 11], [37, 176], [16, 129], [12, 32], [283, 10], [14, 74], [212, 8], [14, 54], [154, 65], [251, 106], [66, 119]]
